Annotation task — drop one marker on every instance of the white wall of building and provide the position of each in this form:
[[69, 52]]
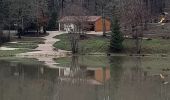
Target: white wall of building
[[67, 27]]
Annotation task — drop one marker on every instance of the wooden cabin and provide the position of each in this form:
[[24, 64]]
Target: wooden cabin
[[93, 23]]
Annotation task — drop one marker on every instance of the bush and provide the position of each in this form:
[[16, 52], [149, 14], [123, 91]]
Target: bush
[[4, 38]]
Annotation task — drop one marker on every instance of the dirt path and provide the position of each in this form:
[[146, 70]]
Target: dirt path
[[45, 52]]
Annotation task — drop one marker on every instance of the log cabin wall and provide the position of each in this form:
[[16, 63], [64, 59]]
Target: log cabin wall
[[99, 25]]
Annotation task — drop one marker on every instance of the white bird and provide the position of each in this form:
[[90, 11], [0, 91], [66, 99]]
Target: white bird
[[165, 83], [161, 21], [162, 77]]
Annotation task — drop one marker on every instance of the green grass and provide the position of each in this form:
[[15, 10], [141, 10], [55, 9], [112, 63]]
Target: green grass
[[98, 44], [63, 43], [157, 46], [21, 45], [154, 46], [7, 53], [91, 45], [26, 44]]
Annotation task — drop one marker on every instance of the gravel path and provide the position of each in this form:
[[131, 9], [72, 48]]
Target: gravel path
[[45, 52]]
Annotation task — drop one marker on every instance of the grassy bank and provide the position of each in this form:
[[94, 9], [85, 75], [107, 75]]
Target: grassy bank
[[26, 44], [98, 44], [7, 53], [92, 44], [24, 61]]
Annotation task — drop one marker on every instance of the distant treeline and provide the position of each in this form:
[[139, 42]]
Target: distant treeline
[[22, 13]]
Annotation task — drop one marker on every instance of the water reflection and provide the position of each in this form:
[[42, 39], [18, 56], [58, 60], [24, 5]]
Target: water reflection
[[116, 71], [84, 78]]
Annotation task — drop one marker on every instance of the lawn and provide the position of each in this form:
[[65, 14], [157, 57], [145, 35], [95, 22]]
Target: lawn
[[7, 53], [94, 44], [26, 44], [98, 44]]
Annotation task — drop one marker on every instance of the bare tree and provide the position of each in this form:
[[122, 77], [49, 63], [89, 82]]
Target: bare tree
[[76, 23], [41, 15], [104, 8], [134, 16], [4, 11]]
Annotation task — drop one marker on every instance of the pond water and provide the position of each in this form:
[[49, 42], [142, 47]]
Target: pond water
[[86, 78]]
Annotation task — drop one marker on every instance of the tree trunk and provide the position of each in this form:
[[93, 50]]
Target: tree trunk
[[1, 33], [145, 25], [9, 32], [19, 33], [104, 22], [74, 37], [104, 27], [22, 20], [137, 38], [44, 30], [138, 45], [38, 33]]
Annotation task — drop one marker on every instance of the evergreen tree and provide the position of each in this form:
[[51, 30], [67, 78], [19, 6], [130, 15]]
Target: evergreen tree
[[116, 36], [52, 24]]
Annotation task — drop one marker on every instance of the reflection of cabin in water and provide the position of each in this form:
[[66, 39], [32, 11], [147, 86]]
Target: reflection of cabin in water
[[99, 74], [38, 82], [90, 75], [93, 23]]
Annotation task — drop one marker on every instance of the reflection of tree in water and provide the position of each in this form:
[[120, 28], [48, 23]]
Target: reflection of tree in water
[[137, 71], [128, 82], [116, 71], [135, 83], [150, 86], [2, 74], [75, 82], [18, 81], [77, 73]]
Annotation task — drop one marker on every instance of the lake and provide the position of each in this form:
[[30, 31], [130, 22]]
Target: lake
[[86, 78]]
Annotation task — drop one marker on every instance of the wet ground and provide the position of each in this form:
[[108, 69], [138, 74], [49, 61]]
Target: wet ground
[[85, 78], [45, 52]]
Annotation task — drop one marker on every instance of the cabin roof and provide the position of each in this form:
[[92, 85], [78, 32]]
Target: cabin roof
[[77, 18]]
